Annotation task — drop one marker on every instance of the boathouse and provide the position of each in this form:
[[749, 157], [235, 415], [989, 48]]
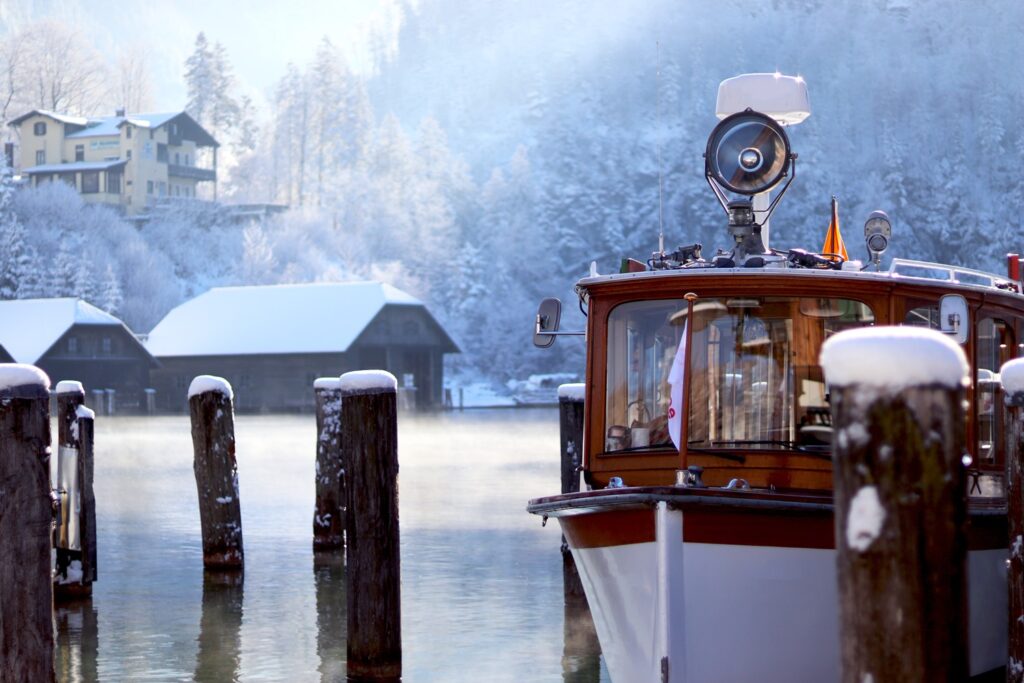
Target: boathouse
[[71, 339], [272, 342]]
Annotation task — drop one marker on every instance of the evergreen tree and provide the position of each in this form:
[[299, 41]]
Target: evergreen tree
[[111, 297]]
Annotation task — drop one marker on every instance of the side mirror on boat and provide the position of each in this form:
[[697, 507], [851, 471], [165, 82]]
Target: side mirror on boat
[[545, 329], [549, 314], [954, 319]]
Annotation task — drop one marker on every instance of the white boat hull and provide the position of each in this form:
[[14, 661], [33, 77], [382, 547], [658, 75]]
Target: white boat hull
[[720, 613]]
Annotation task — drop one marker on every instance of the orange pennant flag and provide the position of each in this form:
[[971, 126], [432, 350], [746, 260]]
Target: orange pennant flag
[[833, 238]]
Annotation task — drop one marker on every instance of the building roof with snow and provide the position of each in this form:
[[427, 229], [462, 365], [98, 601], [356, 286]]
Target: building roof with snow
[[29, 327], [4, 356], [278, 319]]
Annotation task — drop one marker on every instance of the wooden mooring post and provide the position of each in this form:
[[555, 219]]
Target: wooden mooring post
[[1012, 376], [329, 515], [26, 520], [75, 531], [370, 454], [213, 442], [897, 399], [581, 653]]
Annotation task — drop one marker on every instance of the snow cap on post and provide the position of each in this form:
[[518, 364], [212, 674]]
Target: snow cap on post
[[572, 392], [893, 358], [16, 375], [327, 383], [203, 384], [1012, 377], [69, 386], [368, 382]]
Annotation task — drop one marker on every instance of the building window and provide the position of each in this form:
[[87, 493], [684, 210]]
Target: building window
[[128, 132], [161, 152], [177, 158], [90, 182], [72, 344], [177, 190], [149, 187], [68, 178], [186, 160], [41, 156], [161, 188], [79, 152], [39, 128], [174, 129], [113, 182], [107, 346]]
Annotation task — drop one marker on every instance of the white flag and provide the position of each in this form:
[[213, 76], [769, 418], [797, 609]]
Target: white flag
[[676, 378]]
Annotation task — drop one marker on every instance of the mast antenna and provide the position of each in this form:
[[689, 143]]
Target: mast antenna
[[657, 108]]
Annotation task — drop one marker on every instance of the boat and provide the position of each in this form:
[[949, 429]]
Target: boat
[[710, 557]]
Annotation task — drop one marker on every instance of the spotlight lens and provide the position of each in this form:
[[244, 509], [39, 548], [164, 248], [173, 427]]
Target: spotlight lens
[[748, 153]]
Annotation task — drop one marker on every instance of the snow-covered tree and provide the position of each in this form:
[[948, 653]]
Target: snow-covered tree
[[111, 298]]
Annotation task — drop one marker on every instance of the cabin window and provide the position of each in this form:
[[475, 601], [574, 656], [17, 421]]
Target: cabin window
[[40, 156], [642, 340], [128, 132], [113, 182], [72, 344], [107, 345], [754, 375], [923, 316], [39, 128], [994, 346], [79, 152]]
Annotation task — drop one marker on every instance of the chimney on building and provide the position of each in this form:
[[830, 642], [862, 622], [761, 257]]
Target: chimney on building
[[119, 112]]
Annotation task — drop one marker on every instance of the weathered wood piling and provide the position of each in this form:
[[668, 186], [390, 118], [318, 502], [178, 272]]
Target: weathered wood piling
[[900, 502], [370, 454], [26, 521], [329, 515], [213, 442], [1012, 376], [581, 649], [75, 531]]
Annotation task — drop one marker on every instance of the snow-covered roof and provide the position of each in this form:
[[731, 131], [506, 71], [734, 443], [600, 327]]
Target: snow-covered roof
[[75, 166], [306, 318], [63, 118], [97, 128], [29, 327]]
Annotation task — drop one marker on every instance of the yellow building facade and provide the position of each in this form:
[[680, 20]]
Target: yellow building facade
[[129, 162]]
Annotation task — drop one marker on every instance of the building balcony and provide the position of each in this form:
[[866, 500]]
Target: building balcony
[[191, 172]]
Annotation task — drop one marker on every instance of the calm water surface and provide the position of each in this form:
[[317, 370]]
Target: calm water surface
[[481, 579]]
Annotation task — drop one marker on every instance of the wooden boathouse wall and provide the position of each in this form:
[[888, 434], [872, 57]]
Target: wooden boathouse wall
[[404, 340]]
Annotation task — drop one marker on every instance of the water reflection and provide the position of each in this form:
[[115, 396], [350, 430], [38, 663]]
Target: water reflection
[[331, 615], [77, 641], [481, 579], [220, 637], [581, 656]]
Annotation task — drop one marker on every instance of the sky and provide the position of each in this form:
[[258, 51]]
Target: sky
[[261, 36]]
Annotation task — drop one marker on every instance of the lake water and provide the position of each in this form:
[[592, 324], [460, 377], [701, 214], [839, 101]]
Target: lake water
[[481, 579]]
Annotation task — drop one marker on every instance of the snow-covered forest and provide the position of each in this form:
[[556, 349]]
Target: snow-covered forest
[[484, 162]]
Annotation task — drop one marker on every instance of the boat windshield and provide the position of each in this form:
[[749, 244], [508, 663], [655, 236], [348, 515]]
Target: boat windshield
[[755, 379]]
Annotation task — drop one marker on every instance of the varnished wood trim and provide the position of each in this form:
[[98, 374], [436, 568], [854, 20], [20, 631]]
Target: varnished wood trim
[[606, 529]]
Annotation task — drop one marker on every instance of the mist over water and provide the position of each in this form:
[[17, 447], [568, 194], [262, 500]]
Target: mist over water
[[481, 579]]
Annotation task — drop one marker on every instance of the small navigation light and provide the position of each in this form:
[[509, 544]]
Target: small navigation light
[[877, 233], [748, 153]]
